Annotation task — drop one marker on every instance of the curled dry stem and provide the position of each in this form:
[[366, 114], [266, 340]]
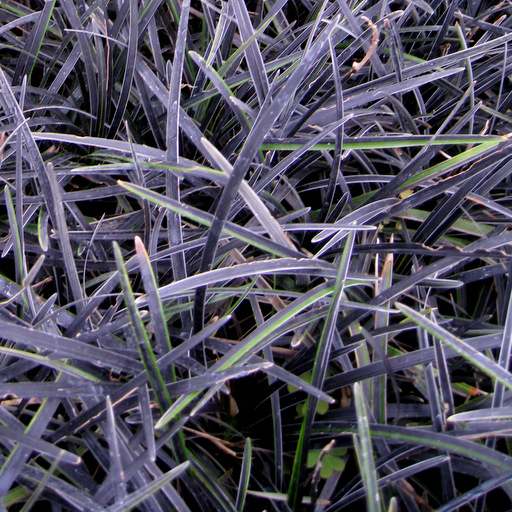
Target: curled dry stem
[[356, 66]]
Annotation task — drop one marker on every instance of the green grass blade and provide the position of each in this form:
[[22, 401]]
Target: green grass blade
[[244, 476], [323, 351], [364, 452], [462, 348], [140, 334]]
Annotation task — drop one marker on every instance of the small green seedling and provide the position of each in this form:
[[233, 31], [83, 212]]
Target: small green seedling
[[333, 460], [322, 406]]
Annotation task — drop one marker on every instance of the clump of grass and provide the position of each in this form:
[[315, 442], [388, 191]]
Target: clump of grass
[[255, 255]]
